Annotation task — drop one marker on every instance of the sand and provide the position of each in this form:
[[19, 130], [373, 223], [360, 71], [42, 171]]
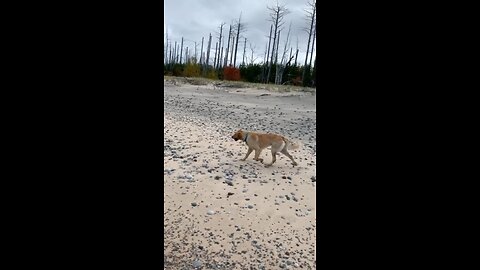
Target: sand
[[223, 213]]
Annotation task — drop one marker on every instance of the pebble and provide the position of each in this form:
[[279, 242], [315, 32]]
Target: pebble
[[197, 264]]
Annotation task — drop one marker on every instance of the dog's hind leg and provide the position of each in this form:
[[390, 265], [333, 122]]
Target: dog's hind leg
[[257, 155], [248, 153], [285, 152], [274, 158]]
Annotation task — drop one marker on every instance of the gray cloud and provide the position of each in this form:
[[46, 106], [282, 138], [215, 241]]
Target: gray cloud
[[194, 19]]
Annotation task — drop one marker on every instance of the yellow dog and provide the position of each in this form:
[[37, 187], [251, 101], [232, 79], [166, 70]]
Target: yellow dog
[[259, 141]]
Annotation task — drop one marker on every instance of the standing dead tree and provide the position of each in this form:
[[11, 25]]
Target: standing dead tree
[[240, 29], [166, 47], [311, 19], [208, 50], [244, 50], [175, 53], [296, 54], [215, 56], [276, 59], [313, 42], [281, 68], [277, 14], [231, 53], [267, 53], [181, 51], [220, 47], [252, 49], [195, 59], [201, 53], [228, 46]]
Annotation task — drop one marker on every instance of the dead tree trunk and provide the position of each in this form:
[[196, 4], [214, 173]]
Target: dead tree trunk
[[166, 49], [313, 45], [201, 53], [228, 45], [311, 17], [208, 50], [215, 57], [244, 50], [268, 55], [181, 51], [277, 14], [277, 66], [282, 65], [221, 57], [220, 52], [239, 29], [231, 54], [195, 52]]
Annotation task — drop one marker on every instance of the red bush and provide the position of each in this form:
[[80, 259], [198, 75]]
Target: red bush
[[231, 73], [297, 81]]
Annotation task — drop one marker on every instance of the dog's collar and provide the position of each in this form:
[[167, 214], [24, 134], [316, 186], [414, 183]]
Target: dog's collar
[[246, 136]]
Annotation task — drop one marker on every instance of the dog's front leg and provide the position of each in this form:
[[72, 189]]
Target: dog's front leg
[[248, 153]]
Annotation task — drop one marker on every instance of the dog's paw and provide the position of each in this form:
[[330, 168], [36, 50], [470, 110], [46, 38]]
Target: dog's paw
[[295, 164], [267, 165], [243, 159]]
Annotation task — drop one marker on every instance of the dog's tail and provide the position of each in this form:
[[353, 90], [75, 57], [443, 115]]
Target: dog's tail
[[291, 145]]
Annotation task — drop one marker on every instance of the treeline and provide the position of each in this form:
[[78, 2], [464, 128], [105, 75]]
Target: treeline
[[255, 73], [217, 56]]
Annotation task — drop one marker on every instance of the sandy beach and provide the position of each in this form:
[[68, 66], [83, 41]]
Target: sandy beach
[[224, 213]]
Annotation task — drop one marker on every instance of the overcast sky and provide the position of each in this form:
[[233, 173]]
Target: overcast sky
[[194, 19]]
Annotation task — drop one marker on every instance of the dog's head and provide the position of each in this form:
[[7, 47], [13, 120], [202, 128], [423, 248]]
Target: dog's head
[[238, 135]]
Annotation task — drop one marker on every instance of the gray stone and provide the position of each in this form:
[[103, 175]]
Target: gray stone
[[197, 264]]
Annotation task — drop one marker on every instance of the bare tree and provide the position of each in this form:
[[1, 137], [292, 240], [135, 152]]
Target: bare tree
[[296, 54], [313, 43], [208, 49], [240, 28], [215, 57], [252, 49], [244, 50], [181, 51], [311, 20], [228, 45], [195, 52], [291, 49], [166, 47], [265, 80], [221, 57], [231, 53], [220, 51], [175, 53], [201, 53], [281, 67], [170, 56], [277, 13], [276, 59], [276, 49]]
